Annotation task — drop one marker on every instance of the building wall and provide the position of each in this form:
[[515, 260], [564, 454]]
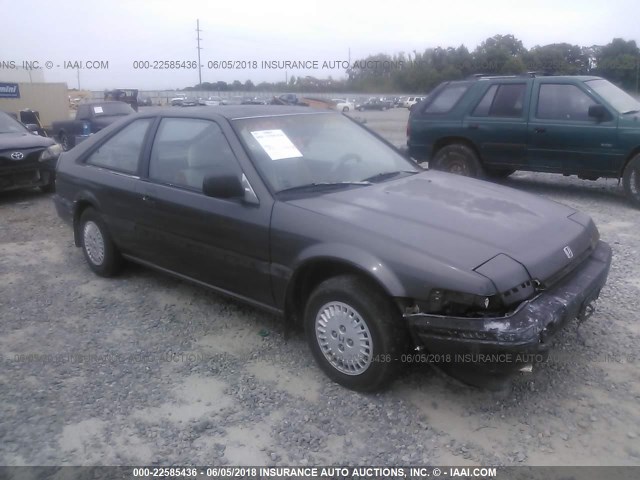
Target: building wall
[[50, 99]]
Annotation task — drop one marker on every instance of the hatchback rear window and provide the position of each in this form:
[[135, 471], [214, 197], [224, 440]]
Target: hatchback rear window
[[447, 98]]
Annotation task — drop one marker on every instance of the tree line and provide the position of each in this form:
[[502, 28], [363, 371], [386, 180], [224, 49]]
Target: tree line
[[617, 61]]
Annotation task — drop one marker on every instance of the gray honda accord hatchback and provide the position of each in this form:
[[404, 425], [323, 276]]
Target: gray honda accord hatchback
[[307, 214]]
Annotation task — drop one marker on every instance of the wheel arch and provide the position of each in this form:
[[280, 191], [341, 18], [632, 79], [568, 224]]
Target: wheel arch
[[80, 204], [634, 152], [452, 140], [313, 271]]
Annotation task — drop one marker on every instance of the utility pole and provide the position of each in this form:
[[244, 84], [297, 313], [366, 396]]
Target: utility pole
[[198, 40]]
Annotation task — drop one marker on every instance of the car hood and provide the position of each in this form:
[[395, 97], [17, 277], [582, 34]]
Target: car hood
[[462, 222], [26, 140]]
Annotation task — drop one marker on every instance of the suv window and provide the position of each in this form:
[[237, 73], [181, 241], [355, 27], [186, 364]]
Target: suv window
[[563, 102], [506, 100], [447, 98], [122, 151], [185, 150]]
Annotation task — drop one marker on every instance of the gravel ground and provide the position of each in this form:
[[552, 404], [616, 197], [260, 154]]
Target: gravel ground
[[146, 369]]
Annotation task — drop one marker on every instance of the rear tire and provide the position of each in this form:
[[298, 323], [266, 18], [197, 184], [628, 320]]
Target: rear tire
[[631, 181], [64, 141], [355, 333], [99, 250], [459, 159]]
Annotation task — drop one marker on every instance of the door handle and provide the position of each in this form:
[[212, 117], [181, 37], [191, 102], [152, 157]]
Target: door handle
[[540, 130]]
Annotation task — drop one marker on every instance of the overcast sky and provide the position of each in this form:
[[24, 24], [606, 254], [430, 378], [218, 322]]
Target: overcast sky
[[122, 31]]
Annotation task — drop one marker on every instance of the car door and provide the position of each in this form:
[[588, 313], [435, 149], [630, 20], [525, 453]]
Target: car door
[[498, 124], [564, 138], [221, 242], [113, 168]]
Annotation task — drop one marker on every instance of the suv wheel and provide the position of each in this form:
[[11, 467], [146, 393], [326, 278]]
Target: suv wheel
[[98, 247], [459, 159], [354, 332], [631, 180], [345, 109]]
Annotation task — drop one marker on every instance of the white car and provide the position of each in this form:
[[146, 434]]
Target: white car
[[177, 100], [343, 105], [411, 101], [211, 101]]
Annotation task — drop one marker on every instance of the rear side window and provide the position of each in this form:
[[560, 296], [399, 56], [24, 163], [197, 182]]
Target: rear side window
[[505, 100], [122, 151], [563, 102], [186, 150], [446, 99]]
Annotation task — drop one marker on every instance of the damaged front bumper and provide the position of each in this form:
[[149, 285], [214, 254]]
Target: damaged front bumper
[[27, 176], [500, 345]]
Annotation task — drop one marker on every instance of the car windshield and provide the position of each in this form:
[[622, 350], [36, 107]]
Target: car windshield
[[9, 125], [318, 149], [116, 108], [616, 97]]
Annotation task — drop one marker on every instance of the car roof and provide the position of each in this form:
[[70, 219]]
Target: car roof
[[232, 112]]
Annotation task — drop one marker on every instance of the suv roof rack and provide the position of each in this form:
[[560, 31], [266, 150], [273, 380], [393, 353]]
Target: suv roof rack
[[533, 74]]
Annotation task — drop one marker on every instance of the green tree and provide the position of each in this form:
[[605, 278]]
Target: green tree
[[618, 61]]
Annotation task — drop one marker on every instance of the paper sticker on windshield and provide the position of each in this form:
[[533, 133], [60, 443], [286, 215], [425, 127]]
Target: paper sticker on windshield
[[97, 110], [276, 144]]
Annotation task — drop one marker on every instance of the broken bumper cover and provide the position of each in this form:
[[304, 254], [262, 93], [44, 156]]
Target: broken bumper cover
[[506, 344], [26, 176]]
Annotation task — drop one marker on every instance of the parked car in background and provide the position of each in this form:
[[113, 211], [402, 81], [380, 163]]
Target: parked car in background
[[234, 100], [210, 101], [343, 105], [90, 118], [190, 102], [572, 125], [307, 214], [177, 100], [26, 160], [411, 101], [374, 103], [144, 102]]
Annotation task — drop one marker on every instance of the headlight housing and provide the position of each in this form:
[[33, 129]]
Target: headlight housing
[[450, 302], [51, 152]]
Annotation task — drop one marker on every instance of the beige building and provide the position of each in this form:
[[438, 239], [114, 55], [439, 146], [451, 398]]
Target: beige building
[[51, 100]]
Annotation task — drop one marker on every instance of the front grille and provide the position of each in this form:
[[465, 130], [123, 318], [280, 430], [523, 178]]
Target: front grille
[[31, 157], [560, 274]]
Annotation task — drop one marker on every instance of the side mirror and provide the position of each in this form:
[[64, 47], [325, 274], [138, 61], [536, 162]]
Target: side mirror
[[598, 112], [222, 186]]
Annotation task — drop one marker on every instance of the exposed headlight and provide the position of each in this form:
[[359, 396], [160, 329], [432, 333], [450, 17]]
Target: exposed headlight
[[53, 151], [449, 302]]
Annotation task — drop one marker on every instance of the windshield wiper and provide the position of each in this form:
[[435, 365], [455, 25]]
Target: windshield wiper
[[630, 111], [385, 175], [321, 185]]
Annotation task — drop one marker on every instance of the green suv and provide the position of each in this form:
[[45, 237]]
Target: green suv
[[574, 125]]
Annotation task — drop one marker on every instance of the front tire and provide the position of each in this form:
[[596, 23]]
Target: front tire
[[345, 109], [99, 250], [459, 159], [354, 332], [631, 181]]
